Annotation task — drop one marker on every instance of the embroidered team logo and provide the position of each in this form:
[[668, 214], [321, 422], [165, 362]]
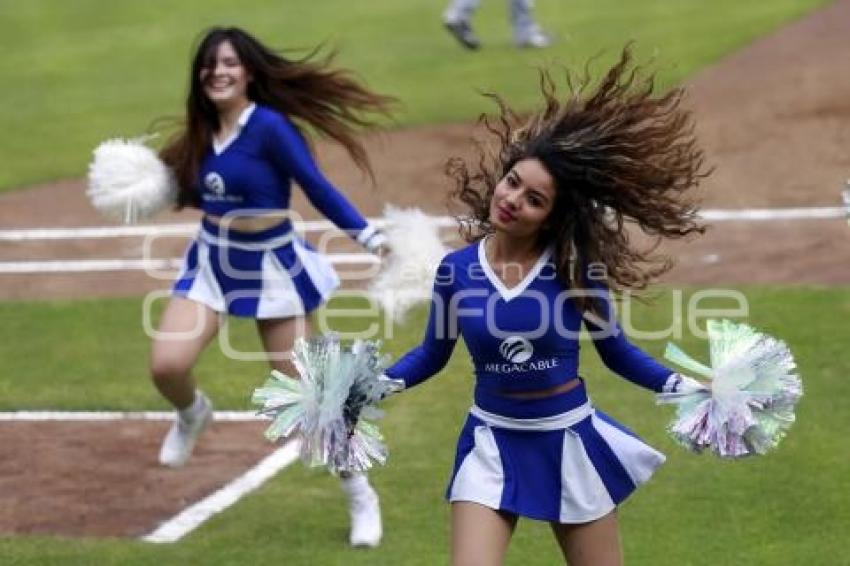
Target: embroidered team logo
[[516, 349], [215, 183]]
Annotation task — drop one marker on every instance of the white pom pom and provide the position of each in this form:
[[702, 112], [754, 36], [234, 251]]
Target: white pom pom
[[128, 181], [407, 276]]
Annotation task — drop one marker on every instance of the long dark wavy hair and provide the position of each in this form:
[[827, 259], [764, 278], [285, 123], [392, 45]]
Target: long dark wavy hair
[[618, 155], [308, 90]]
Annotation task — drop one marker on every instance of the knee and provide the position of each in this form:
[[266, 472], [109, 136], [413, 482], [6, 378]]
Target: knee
[[166, 368]]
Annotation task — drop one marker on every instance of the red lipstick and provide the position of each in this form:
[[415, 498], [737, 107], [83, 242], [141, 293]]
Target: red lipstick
[[504, 215]]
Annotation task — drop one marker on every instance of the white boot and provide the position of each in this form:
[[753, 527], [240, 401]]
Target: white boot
[[365, 511], [188, 425]]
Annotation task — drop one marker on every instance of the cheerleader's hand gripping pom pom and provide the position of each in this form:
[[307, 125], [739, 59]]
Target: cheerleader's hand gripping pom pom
[[129, 182], [416, 250], [331, 405], [749, 406]]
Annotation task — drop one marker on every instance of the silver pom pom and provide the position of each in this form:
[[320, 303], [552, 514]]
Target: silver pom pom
[[330, 403], [750, 405]]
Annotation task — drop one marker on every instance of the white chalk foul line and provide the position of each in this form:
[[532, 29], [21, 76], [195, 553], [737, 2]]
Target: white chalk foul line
[[195, 515], [714, 215]]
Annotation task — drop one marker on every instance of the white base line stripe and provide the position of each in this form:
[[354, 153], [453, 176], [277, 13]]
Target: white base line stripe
[[121, 231], [809, 213], [89, 265], [221, 416], [188, 229], [172, 264], [716, 215], [193, 516]]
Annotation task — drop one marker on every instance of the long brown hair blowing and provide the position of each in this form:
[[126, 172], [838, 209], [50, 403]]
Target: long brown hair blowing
[[617, 155], [308, 90]]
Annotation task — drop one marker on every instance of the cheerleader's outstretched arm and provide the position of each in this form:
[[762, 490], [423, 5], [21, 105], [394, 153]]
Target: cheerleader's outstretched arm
[[290, 153], [621, 356]]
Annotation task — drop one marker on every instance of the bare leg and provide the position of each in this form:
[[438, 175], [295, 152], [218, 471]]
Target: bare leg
[[278, 336], [185, 330], [596, 543], [480, 535]]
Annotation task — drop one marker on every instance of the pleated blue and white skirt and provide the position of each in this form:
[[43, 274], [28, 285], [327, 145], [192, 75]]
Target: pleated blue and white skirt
[[268, 274], [572, 466]]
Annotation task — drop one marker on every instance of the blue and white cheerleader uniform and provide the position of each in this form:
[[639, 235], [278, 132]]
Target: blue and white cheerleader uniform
[[273, 273], [557, 458]]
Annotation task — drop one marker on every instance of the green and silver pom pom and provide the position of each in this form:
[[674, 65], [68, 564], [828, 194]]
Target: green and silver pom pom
[[331, 404], [750, 405]]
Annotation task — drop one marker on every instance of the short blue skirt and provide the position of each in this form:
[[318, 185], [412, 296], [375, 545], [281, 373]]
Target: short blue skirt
[[572, 466], [268, 274]]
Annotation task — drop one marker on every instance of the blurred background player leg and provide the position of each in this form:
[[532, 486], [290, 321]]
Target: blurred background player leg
[[527, 32], [458, 20]]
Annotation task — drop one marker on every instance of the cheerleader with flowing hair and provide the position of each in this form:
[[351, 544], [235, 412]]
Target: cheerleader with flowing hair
[[549, 205], [309, 90], [620, 155]]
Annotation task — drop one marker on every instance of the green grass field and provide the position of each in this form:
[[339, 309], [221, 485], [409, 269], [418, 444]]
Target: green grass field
[[82, 71], [790, 507]]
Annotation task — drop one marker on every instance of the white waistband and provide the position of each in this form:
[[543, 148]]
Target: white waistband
[[553, 422], [269, 244]]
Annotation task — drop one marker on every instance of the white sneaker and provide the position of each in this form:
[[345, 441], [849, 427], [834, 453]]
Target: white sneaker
[[536, 38], [183, 434], [365, 519]]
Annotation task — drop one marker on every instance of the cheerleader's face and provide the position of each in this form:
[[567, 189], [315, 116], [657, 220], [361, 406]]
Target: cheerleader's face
[[224, 77], [523, 199]]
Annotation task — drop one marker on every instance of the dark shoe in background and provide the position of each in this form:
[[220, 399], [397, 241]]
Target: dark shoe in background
[[463, 33]]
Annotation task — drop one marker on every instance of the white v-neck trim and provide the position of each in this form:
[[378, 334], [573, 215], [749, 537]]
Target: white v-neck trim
[[218, 148], [518, 289]]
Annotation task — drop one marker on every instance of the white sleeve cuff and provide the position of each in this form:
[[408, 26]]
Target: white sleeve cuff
[[674, 380], [366, 233], [678, 383], [371, 238], [389, 385]]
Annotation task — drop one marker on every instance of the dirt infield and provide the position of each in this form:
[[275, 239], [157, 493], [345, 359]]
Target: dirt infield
[[774, 120], [103, 479]]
